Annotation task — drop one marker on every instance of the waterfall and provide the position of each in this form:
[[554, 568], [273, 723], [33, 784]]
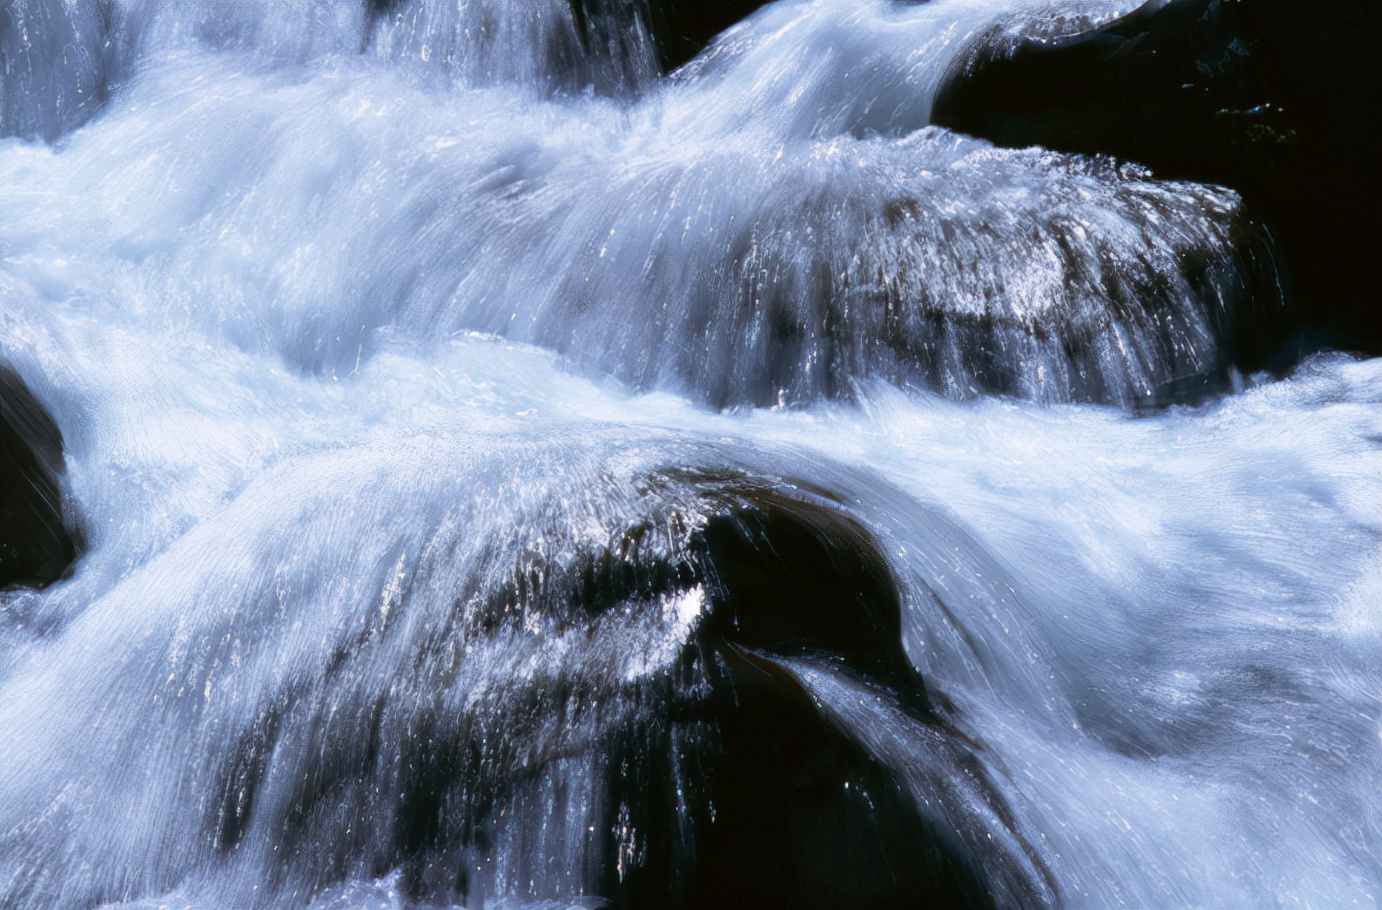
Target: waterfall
[[499, 473]]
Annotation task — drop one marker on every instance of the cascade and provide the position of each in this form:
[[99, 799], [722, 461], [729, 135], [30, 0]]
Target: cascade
[[449, 461]]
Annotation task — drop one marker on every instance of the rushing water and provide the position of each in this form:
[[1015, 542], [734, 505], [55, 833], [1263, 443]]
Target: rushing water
[[455, 408]]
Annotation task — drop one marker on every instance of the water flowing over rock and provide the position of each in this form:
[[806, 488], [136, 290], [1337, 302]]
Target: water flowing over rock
[[857, 244], [531, 454], [1266, 98], [574, 627]]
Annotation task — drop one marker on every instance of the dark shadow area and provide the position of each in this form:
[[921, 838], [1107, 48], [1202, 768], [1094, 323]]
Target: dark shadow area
[[681, 29], [36, 548], [766, 804]]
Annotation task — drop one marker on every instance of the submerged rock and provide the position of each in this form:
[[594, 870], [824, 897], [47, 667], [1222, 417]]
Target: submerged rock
[[36, 548]]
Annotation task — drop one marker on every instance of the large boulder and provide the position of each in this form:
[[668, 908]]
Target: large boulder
[[1275, 100], [617, 666], [750, 793]]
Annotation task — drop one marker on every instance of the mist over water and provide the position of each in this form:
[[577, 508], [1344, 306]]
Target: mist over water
[[452, 404]]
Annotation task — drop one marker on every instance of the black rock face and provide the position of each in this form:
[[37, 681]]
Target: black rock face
[[36, 549], [680, 29], [771, 805], [748, 794], [691, 739], [790, 580], [683, 28], [731, 785], [1278, 101]]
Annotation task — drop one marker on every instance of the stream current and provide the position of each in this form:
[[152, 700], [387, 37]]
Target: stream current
[[465, 423]]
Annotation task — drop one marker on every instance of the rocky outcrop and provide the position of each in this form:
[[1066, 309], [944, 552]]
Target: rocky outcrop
[[1278, 101], [750, 794]]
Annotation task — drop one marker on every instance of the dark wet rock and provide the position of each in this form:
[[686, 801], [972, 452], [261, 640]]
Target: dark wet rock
[[724, 783], [749, 794], [379, 7], [1278, 101], [35, 546], [794, 580], [680, 29], [770, 804], [730, 787], [1070, 288], [684, 28], [618, 684]]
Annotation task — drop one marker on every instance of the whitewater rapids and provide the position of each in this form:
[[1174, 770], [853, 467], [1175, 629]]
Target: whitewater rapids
[[417, 369]]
